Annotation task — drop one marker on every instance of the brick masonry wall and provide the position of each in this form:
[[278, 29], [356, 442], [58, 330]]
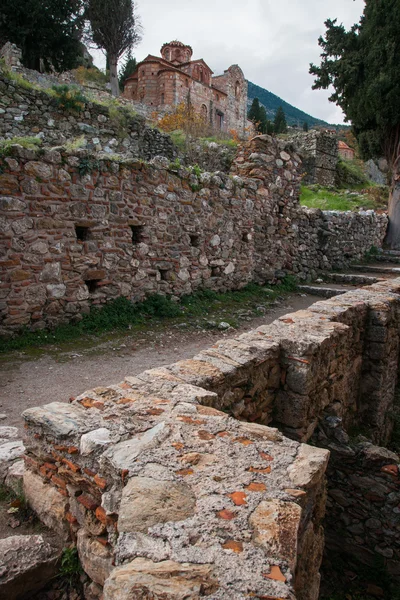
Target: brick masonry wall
[[79, 229], [244, 501]]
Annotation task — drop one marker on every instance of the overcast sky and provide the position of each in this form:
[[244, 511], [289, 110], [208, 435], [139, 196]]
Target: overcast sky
[[273, 41]]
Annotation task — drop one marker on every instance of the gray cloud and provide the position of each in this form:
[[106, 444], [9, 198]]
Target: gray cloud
[[273, 42]]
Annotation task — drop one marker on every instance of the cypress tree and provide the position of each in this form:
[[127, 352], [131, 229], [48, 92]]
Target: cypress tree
[[362, 65], [280, 125]]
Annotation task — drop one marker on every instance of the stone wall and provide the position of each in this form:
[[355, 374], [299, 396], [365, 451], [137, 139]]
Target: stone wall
[[363, 510], [79, 229], [28, 111], [319, 152], [240, 500]]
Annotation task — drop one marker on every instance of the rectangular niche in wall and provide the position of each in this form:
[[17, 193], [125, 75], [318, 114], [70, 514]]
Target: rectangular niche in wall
[[215, 271], [164, 273], [82, 233], [137, 233], [92, 285], [194, 240]]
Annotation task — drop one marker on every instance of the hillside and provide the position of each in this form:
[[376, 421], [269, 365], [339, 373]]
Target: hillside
[[294, 116]]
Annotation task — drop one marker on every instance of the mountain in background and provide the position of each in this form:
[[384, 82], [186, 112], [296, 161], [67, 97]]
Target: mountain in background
[[294, 116]]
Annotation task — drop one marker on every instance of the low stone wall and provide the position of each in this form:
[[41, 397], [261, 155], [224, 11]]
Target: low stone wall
[[31, 112], [78, 229], [239, 496]]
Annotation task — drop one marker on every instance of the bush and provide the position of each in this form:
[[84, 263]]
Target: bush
[[68, 97], [90, 75]]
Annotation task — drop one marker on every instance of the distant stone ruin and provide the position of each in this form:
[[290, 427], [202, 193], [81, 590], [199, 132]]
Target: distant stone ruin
[[319, 153]]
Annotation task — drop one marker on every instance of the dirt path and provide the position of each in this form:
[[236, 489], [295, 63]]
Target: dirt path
[[54, 374]]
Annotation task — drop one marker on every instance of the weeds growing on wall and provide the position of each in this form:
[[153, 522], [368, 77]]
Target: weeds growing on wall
[[75, 144], [68, 97], [30, 143], [123, 315], [88, 165]]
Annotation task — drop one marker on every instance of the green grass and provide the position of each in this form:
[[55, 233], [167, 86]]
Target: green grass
[[30, 143], [327, 199], [122, 315]]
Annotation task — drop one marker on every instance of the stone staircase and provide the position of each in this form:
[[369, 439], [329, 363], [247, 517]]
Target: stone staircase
[[380, 268]]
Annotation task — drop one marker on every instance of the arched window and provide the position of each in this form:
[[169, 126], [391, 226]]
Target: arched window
[[204, 112], [237, 89], [168, 54]]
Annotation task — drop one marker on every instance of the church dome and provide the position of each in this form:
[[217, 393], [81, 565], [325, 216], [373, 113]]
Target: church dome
[[176, 52]]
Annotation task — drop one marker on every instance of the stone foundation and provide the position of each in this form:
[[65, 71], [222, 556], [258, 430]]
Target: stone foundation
[[207, 504]]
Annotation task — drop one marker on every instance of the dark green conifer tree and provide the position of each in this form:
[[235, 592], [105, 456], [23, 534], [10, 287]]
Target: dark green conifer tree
[[47, 31], [362, 66], [280, 125]]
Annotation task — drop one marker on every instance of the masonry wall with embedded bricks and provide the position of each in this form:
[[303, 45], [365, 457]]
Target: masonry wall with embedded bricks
[[242, 504], [79, 229]]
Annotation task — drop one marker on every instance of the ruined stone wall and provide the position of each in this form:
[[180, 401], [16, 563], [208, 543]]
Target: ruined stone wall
[[31, 112], [363, 510], [319, 152], [243, 502], [79, 229]]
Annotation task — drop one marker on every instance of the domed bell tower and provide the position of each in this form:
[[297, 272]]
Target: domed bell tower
[[176, 52]]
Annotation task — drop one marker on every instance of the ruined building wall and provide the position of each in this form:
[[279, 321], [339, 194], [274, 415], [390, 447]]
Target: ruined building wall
[[31, 112], [319, 152], [244, 502], [79, 229]]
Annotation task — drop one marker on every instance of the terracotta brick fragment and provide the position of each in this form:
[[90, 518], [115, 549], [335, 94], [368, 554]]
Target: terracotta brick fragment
[[70, 518], [87, 502], [391, 470], [226, 514], [257, 470], [155, 411], [58, 481], [73, 450], [89, 472], [238, 498], [102, 483], [101, 515], [50, 466], [233, 545], [184, 472], [71, 465], [244, 441], [205, 435], [266, 456], [256, 487], [177, 445], [275, 574]]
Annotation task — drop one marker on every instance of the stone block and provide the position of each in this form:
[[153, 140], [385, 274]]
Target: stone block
[[168, 580], [49, 505], [27, 564]]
